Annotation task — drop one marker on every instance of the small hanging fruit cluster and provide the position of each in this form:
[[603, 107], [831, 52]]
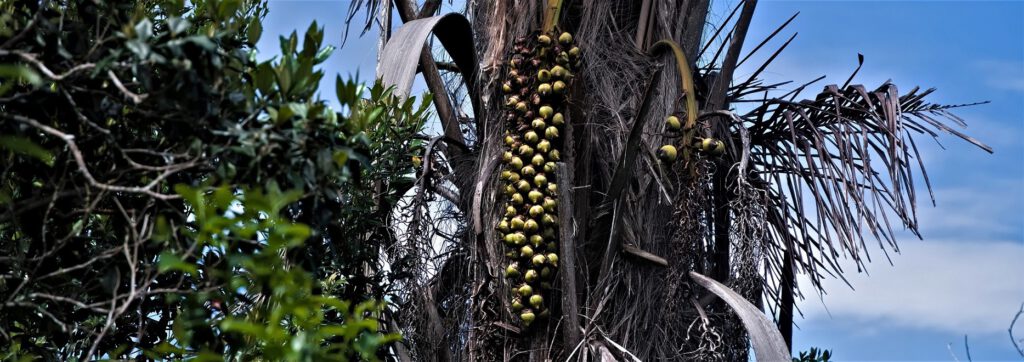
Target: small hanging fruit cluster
[[538, 79], [708, 146]]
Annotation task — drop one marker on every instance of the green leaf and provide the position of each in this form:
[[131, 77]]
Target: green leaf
[[16, 73], [323, 54], [254, 31], [26, 147], [144, 29], [171, 262], [177, 25]]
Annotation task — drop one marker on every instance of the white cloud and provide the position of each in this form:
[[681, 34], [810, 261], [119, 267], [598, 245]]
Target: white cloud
[[1002, 74], [960, 286]]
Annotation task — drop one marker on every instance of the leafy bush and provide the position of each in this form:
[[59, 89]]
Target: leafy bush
[[164, 193]]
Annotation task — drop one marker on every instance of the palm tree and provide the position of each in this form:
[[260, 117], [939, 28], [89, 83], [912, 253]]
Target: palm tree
[[765, 184]]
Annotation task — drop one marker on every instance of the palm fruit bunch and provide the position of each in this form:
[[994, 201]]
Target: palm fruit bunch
[[709, 146], [540, 71]]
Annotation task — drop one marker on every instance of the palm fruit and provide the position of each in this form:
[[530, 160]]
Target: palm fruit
[[667, 153], [565, 38], [538, 77], [530, 276], [672, 124], [513, 270], [536, 300], [719, 148]]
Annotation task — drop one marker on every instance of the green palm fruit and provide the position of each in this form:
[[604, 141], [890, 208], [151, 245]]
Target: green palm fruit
[[538, 124], [558, 119], [513, 177], [551, 133], [507, 156], [536, 210], [549, 233], [526, 251], [530, 276], [550, 204], [509, 141], [510, 211], [513, 271], [517, 304], [535, 195], [559, 72], [546, 111], [543, 75], [562, 58], [525, 290], [536, 240], [516, 163], [707, 144], [503, 226], [667, 153], [536, 300], [552, 189], [552, 246], [507, 87], [531, 137], [538, 259], [546, 273], [523, 186], [516, 223], [527, 316], [558, 87], [574, 52], [554, 155], [537, 160], [550, 167], [544, 146], [528, 170], [531, 226], [719, 148], [517, 199], [525, 150], [544, 89], [672, 124], [509, 190], [553, 259], [565, 38], [549, 219], [540, 180], [512, 101], [522, 107], [544, 40], [506, 174]]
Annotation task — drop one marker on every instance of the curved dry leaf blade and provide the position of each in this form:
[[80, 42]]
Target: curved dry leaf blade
[[764, 337], [401, 54]]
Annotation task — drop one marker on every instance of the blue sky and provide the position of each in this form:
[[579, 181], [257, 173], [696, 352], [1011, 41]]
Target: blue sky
[[967, 276]]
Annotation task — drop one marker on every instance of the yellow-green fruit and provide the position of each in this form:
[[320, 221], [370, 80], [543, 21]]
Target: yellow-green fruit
[[506, 174], [537, 160], [522, 107], [527, 317], [531, 137], [526, 251], [512, 254], [510, 211], [530, 276], [525, 290], [543, 75], [545, 273], [509, 190], [553, 259], [523, 186], [544, 146], [544, 40], [550, 204], [525, 150], [536, 210], [511, 101], [719, 148], [536, 240], [565, 38], [551, 133], [528, 171], [550, 167], [507, 87], [517, 199], [552, 246], [544, 89], [538, 124], [558, 119], [672, 123], [540, 180], [707, 144], [513, 239], [503, 226], [517, 305], [558, 87], [667, 153], [552, 189], [516, 163], [546, 111], [516, 223], [513, 177], [513, 271], [507, 156], [554, 155], [549, 233], [537, 260], [509, 141], [562, 58], [536, 300], [574, 52], [549, 219], [559, 72], [535, 195], [531, 226]]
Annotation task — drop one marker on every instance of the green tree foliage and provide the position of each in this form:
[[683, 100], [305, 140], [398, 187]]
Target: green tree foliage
[[163, 193]]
